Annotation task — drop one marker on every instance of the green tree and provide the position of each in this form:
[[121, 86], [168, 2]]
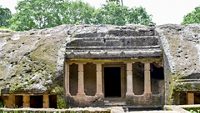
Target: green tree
[[114, 13], [138, 16], [5, 15], [38, 14], [79, 13], [192, 17], [49, 13], [117, 1]]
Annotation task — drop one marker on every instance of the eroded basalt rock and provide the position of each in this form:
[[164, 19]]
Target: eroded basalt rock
[[181, 51], [32, 61]]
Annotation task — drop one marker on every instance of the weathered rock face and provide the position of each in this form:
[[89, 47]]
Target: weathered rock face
[[181, 45], [181, 48], [32, 60]]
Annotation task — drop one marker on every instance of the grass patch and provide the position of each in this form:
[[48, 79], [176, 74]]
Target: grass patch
[[193, 110]]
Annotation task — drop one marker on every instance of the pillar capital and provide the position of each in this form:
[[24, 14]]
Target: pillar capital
[[129, 66], [99, 67], [147, 66], [80, 67]]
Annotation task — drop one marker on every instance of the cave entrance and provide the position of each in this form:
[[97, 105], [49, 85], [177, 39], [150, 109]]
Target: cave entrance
[[157, 78], [19, 101], [36, 101], [52, 101], [112, 81]]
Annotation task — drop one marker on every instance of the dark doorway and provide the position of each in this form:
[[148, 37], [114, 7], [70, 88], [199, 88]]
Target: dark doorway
[[19, 101], [2, 102], [112, 82], [52, 101], [197, 98], [157, 72], [36, 101]]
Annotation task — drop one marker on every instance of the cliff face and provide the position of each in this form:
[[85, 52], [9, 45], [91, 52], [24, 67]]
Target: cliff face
[[181, 45], [181, 52], [33, 60]]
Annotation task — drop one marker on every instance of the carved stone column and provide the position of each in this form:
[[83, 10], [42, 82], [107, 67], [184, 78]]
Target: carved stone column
[[99, 86], [129, 79], [190, 98], [147, 79], [67, 93], [45, 101], [10, 102], [26, 100], [81, 80]]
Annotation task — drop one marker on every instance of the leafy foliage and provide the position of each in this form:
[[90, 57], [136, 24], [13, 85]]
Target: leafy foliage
[[5, 15], [139, 16], [48, 13], [192, 17], [193, 110], [117, 1], [40, 14], [113, 13]]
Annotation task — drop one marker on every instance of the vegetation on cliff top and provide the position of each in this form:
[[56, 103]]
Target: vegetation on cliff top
[[37, 14], [192, 17]]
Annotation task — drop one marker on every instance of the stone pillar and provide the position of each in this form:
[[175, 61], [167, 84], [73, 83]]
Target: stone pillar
[[99, 86], [67, 93], [190, 98], [45, 101], [10, 101], [81, 79], [147, 79], [26, 100], [129, 79]]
